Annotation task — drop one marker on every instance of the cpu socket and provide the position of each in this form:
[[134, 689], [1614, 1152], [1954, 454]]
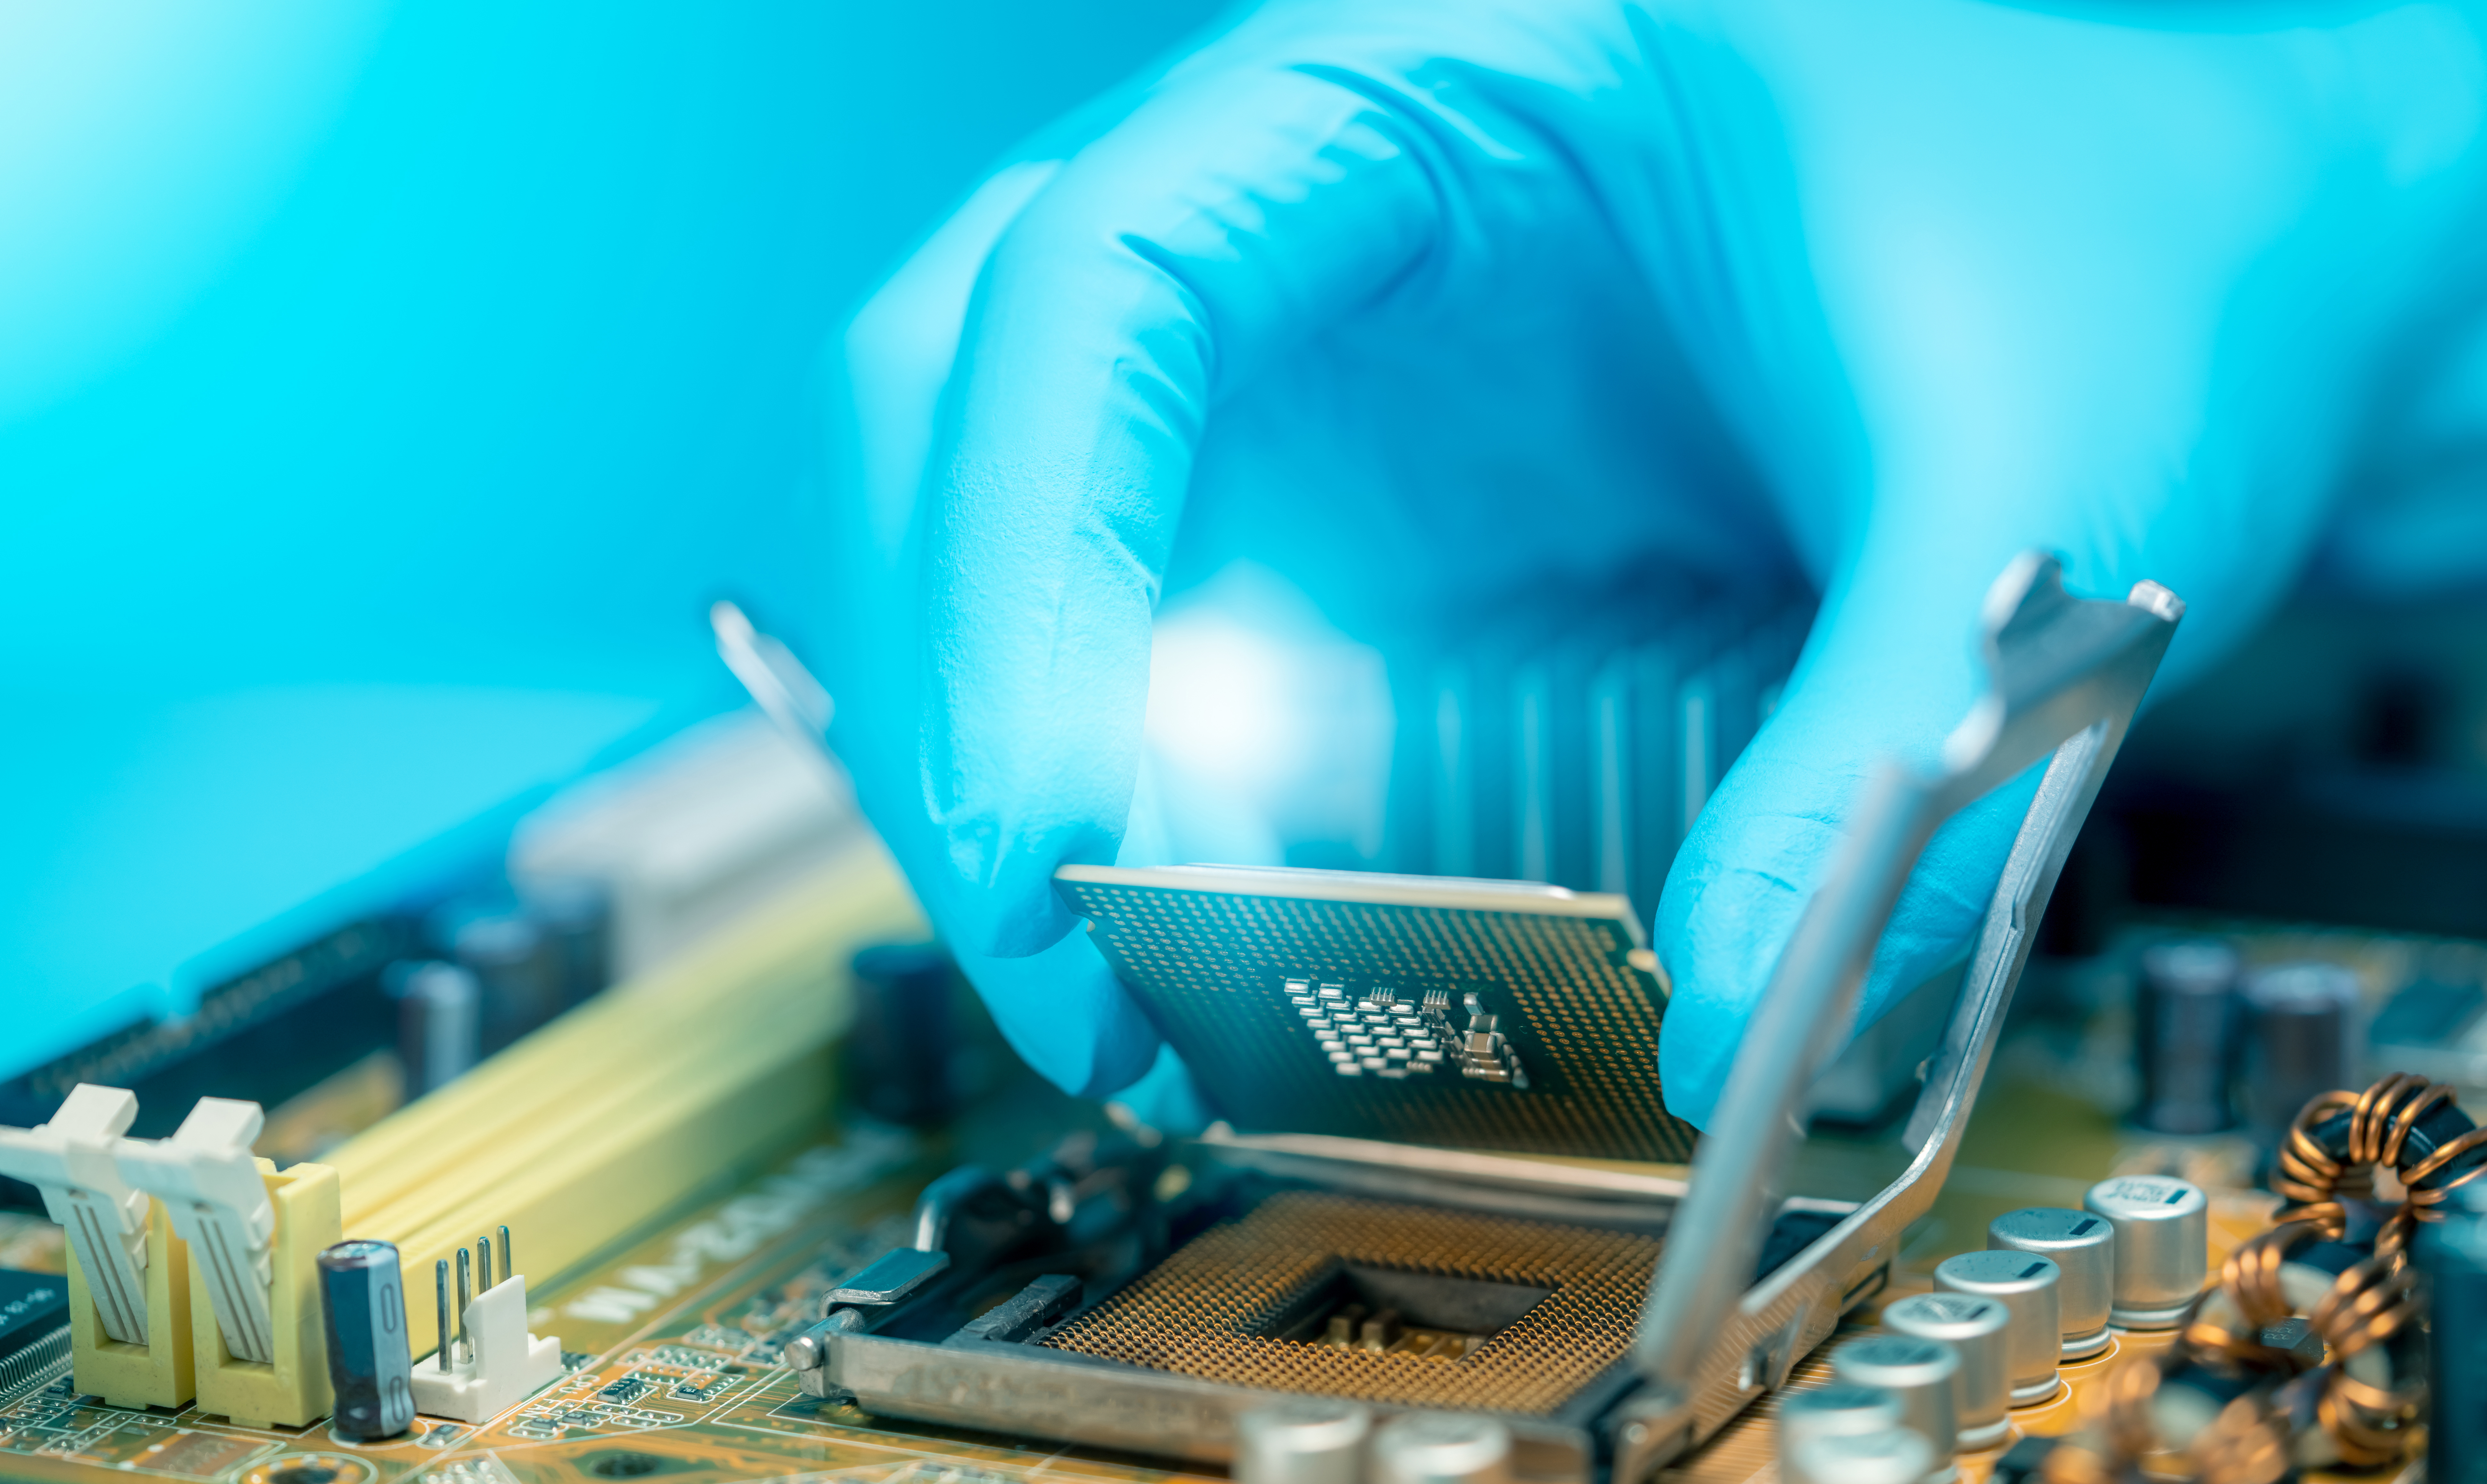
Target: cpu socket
[[1457, 1184], [1141, 1297]]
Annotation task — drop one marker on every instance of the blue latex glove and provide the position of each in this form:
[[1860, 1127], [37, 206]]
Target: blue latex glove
[[1412, 300]]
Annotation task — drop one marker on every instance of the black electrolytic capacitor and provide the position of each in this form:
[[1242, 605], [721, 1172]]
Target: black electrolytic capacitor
[[362, 1298], [576, 916], [2453, 1254], [2303, 1037], [2185, 1033], [519, 968], [900, 1047], [440, 1022]]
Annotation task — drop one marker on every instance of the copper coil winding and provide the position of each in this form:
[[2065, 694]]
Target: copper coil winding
[[2369, 1425], [2380, 1120], [2081, 1459], [2307, 1174], [2249, 1283], [2117, 1427], [2129, 1428], [2423, 1196], [2399, 1230], [2246, 1444], [2379, 1129], [2366, 1306]]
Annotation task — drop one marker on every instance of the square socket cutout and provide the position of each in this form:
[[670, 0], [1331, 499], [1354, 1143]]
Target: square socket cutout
[[1517, 1315]]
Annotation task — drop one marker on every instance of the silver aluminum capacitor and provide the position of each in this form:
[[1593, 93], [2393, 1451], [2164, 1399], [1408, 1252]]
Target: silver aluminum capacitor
[[2082, 1244], [1309, 1439], [1918, 1374], [1441, 1447], [2034, 1339], [1839, 1409], [2162, 1245], [1894, 1455], [1974, 1328]]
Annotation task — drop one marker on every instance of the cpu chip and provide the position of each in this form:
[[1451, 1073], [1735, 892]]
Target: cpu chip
[[1482, 1014]]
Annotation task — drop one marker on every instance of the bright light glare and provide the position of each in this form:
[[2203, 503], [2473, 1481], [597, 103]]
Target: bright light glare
[[1222, 705], [1267, 729]]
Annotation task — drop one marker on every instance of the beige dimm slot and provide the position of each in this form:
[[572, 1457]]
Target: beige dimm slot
[[637, 1103]]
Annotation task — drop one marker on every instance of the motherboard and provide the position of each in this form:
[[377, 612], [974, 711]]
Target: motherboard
[[672, 1336]]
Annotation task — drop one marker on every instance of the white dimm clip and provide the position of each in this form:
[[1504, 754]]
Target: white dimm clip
[[70, 1160], [212, 1188]]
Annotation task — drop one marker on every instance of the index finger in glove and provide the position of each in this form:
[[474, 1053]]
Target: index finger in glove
[[1203, 234]]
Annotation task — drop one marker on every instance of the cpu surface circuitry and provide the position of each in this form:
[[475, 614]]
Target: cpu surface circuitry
[[1484, 1015]]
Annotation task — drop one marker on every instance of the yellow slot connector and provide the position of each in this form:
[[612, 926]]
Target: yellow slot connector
[[168, 1241], [158, 1373], [290, 1391], [632, 1104]]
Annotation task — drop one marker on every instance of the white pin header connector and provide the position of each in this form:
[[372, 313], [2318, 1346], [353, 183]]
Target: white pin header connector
[[503, 1364]]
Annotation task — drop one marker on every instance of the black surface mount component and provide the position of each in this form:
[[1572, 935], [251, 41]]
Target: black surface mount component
[[34, 1325]]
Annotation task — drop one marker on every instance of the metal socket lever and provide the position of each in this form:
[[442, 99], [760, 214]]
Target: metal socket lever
[[2065, 675], [1017, 1318], [787, 694], [942, 1201], [807, 1355], [887, 1279]]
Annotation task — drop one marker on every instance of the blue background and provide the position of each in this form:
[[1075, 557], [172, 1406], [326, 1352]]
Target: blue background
[[391, 391]]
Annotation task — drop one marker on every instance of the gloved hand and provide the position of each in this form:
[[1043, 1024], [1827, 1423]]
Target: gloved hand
[[1410, 299]]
